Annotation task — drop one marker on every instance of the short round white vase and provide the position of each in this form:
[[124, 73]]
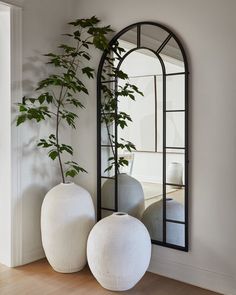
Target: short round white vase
[[67, 216], [130, 195], [119, 251]]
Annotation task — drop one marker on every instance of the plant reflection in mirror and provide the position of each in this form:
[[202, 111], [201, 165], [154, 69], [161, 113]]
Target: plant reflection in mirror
[[109, 107]]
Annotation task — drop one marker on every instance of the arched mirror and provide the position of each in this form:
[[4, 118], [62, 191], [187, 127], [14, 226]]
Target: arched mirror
[[143, 131]]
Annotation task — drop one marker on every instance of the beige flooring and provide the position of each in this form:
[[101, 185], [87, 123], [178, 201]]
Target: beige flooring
[[38, 278]]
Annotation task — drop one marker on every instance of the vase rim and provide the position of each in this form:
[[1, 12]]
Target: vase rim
[[67, 183], [120, 214]]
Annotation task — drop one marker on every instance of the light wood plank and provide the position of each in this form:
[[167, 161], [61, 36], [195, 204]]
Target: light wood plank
[[38, 278]]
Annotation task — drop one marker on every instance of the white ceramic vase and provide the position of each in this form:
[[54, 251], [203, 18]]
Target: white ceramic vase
[[67, 216], [119, 251], [175, 173], [130, 195]]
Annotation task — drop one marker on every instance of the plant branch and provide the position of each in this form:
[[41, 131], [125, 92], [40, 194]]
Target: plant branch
[[57, 142]]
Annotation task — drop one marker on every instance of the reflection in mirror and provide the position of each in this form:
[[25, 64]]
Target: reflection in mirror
[[153, 37], [128, 42], [175, 133], [175, 92], [172, 57], [143, 70], [143, 139], [175, 233]]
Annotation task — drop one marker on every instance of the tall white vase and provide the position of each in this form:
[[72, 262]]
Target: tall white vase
[[130, 195], [67, 216], [119, 251]]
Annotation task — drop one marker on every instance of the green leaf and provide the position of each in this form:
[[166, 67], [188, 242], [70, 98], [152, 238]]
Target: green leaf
[[71, 173], [85, 22], [100, 42], [53, 154], [44, 144], [22, 108], [88, 71], [75, 102], [108, 168], [74, 169], [21, 119], [86, 56], [66, 148], [41, 98], [66, 48], [52, 136]]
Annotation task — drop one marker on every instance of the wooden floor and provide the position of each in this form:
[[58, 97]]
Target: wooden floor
[[38, 278]]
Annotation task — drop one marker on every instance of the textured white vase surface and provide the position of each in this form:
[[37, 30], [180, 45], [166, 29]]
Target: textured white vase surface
[[67, 216], [130, 195], [119, 251]]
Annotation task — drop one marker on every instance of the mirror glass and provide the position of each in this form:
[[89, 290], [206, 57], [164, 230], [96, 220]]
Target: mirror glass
[[142, 101]]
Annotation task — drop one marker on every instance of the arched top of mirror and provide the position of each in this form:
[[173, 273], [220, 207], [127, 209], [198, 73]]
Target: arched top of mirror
[[149, 38]]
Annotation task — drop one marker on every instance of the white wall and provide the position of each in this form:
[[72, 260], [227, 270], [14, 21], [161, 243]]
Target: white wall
[[44, 22], [5, 142], [207, 29], [26, 174]]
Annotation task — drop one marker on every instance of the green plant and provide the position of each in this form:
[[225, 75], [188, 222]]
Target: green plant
[[59, 94]]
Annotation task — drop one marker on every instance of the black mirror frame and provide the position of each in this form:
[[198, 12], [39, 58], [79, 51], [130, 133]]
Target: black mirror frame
[[186, 148]]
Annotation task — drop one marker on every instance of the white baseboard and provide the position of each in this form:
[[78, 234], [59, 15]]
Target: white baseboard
[[33, 255], [213, 281]]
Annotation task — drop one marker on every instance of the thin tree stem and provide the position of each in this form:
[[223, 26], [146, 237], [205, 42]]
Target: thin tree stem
[[57, 142]]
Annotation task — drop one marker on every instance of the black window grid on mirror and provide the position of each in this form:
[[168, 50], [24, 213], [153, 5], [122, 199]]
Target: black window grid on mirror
[[184, 149]]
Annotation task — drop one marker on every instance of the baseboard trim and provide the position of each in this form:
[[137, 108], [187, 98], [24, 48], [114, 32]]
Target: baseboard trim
[[34, 255], [206, 279]]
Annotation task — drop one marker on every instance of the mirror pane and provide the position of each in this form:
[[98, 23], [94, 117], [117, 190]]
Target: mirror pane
[[107, 114], [175, 166], [175, 129], [106, 153], [148, 169], [141, 131], [175, 92], [159, 114], [141, 62], [152, 36], [108, 67], [106, 213], [126, 42], [175, 234], [172, 57], [153, 220], [107, 130], [175, 197], [108, 194]]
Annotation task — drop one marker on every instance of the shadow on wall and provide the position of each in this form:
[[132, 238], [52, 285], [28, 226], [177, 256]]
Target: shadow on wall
[[34, 70], [32, 198]]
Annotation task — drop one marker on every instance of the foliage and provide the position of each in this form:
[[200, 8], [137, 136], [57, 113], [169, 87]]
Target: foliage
[[118, 88], [58, 96]]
